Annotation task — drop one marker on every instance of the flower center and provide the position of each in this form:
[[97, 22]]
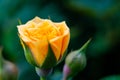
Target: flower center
[[43, 30]]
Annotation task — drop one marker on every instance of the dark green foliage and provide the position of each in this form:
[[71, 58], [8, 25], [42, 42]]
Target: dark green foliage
[[99, 19]]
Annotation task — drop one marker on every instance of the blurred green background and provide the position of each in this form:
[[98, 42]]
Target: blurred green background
[[96, 19]]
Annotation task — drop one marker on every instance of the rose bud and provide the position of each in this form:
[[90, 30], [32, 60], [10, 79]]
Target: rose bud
[[8, 70], [75, 62], [44, 42]]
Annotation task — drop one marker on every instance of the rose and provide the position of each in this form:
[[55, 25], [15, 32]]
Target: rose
[[44, 42]]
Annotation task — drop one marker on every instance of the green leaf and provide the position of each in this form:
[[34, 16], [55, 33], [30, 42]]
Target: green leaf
[[112, 77], [50, 60]]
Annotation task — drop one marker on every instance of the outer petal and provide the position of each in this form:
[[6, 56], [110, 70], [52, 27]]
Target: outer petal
[[65, 42], [28, 54], [39, 50], [22, 32], [56, 45], [65, 33], [37, 20]]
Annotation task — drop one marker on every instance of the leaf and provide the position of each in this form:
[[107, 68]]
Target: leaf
[[112, 77]]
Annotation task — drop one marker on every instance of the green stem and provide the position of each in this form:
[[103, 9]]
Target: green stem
[[42, 78], [1, 59]]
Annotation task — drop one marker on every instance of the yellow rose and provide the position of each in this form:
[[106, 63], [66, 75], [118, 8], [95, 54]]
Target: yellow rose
[[44, 40]]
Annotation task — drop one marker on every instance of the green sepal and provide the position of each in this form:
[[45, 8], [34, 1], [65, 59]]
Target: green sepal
[[62, 57], [84, 47], [28, 54], [50, 60]]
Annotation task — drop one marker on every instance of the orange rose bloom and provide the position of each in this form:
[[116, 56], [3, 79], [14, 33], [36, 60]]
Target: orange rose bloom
[[41, 34]]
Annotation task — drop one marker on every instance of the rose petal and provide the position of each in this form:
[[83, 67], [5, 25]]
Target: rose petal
[[65, 42], [23, 33], [56, 45], [37, 20], [65, 33], [39, 50]]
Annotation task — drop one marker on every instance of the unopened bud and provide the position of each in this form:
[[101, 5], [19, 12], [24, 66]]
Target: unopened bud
[[75, 62]]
